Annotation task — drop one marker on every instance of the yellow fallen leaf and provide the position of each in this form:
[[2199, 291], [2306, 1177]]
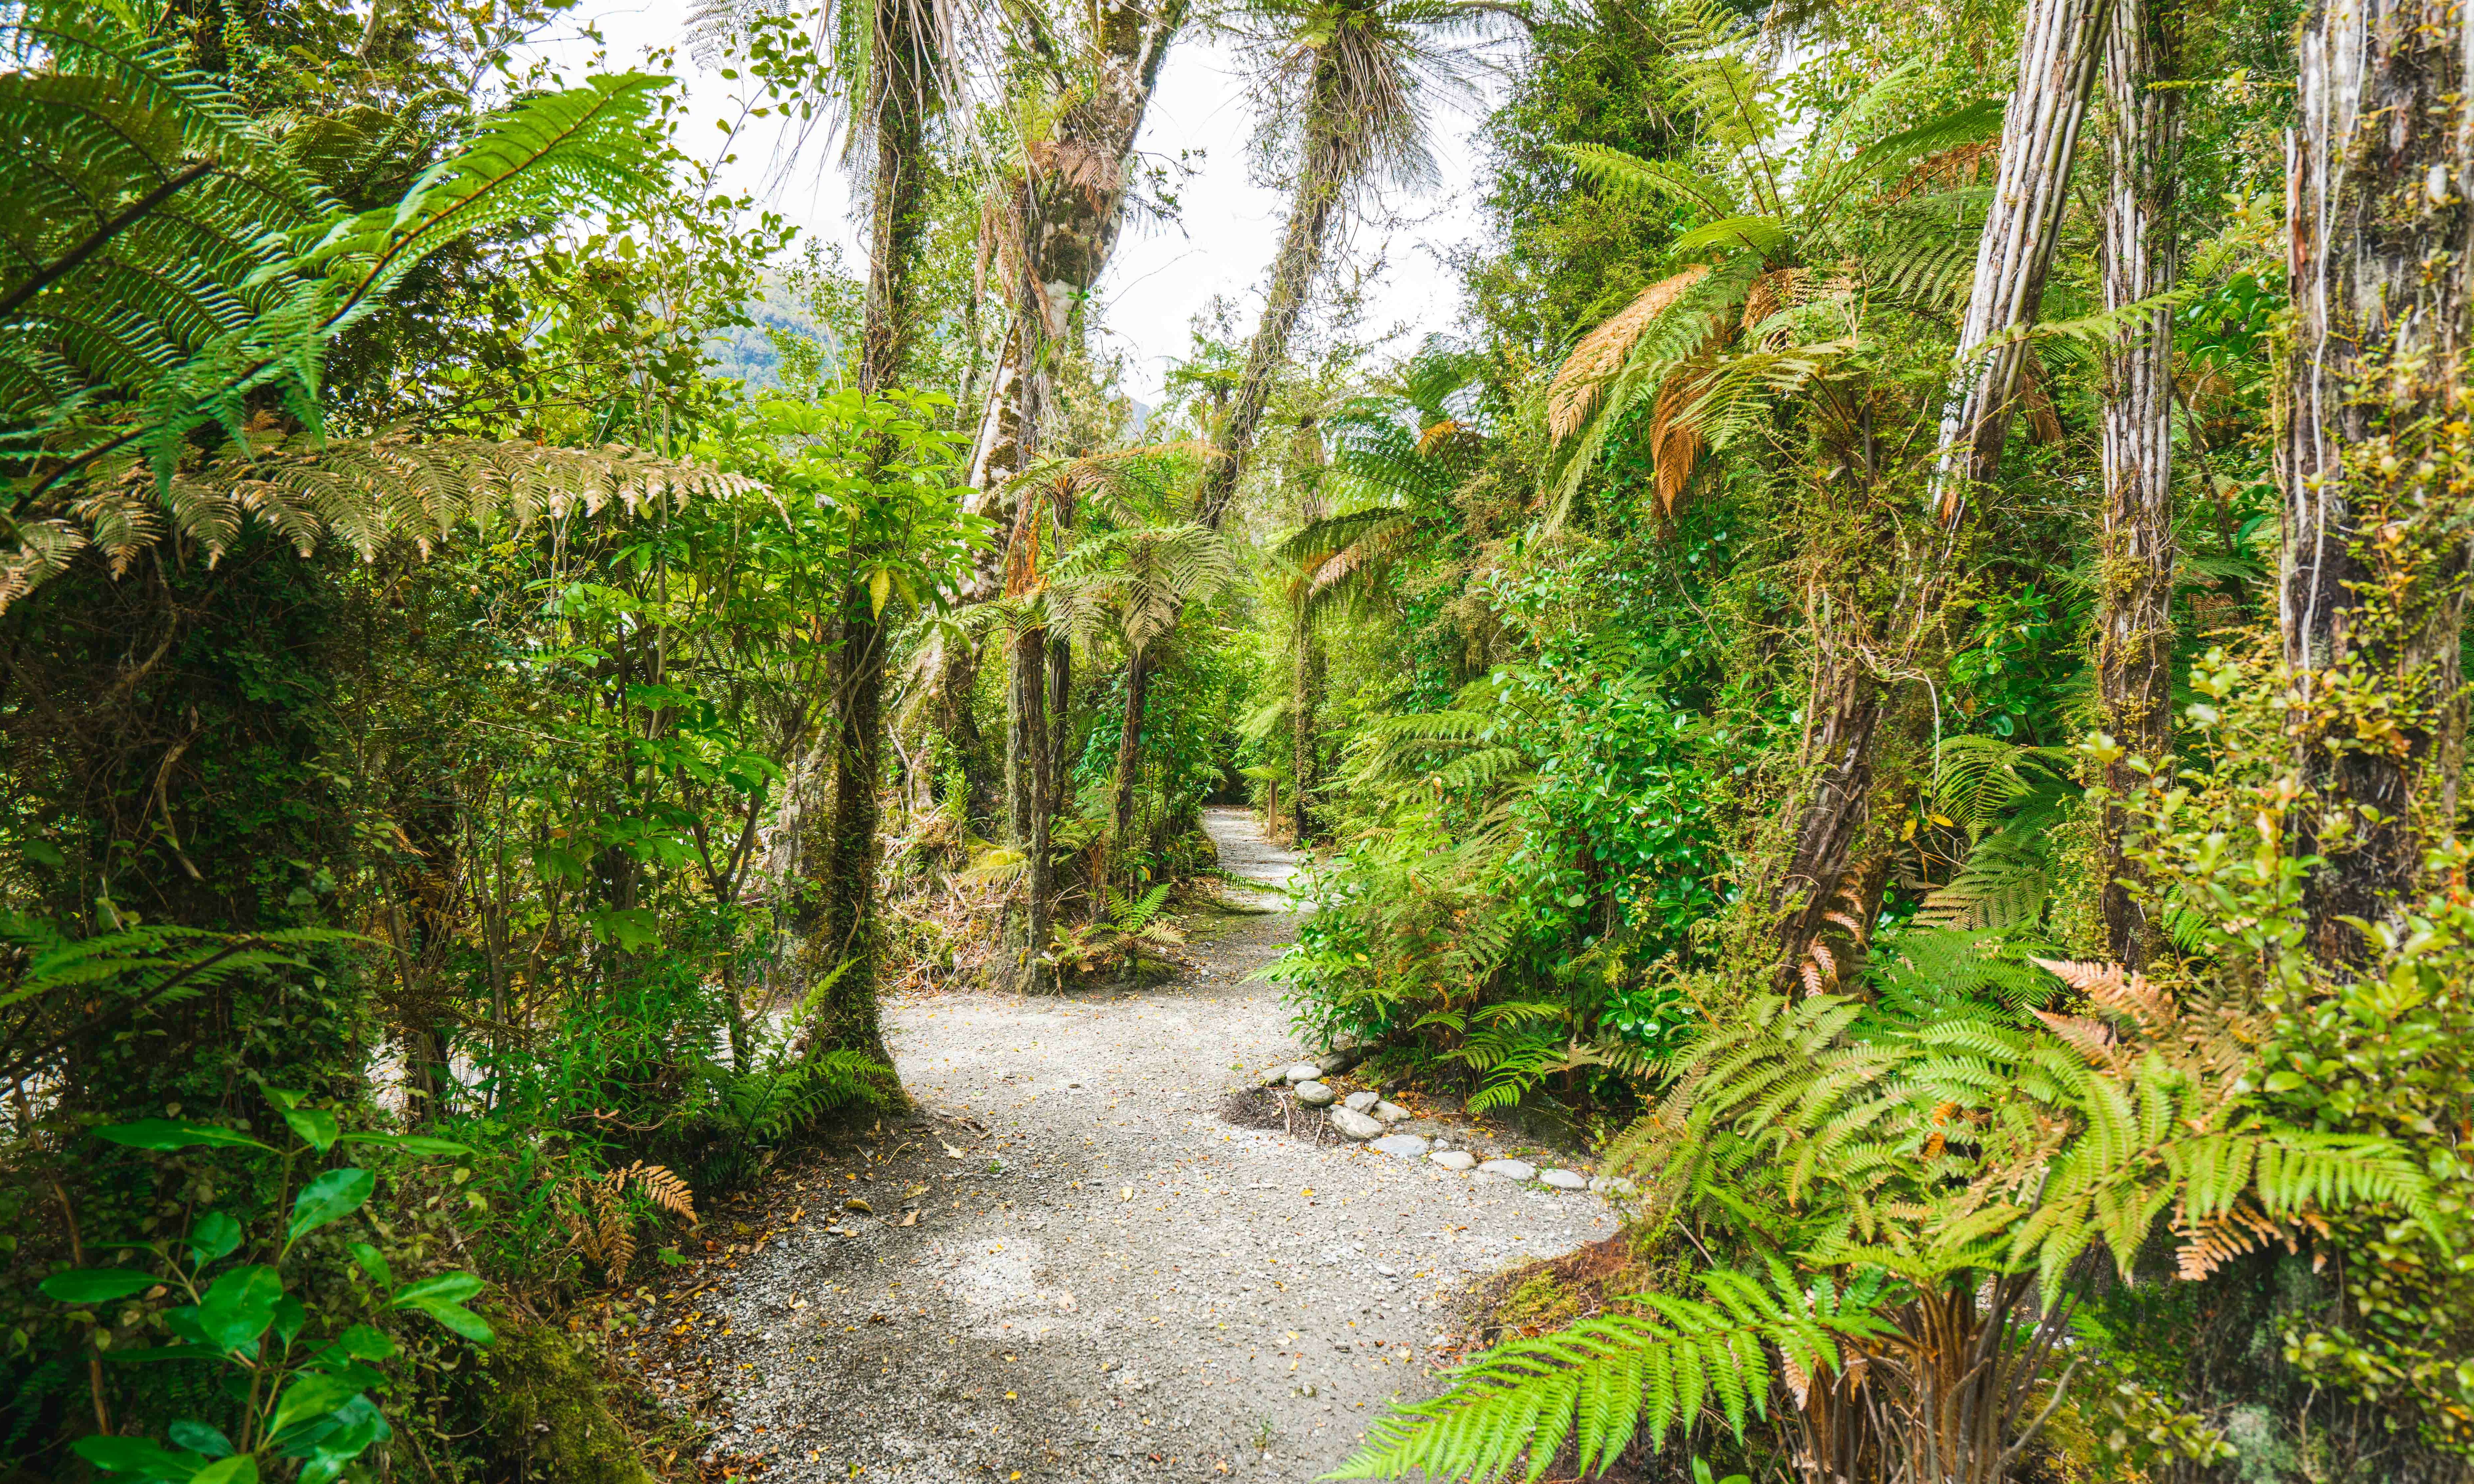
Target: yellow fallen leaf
[[1009, 1398], [910, 1218], [1125, 1194], [952, 1153], [860, 1206]]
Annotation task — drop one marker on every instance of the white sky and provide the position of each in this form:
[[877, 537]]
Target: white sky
[[1161, 274]]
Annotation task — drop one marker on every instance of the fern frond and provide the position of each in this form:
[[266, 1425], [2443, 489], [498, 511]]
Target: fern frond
[[1598, 1384]]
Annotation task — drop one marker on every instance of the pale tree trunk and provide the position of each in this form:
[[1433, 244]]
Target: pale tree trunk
[[2061, 47], [842, 957], [1305, 698], [2136, 249], [1066, 212], [1302, 244], [2371, 595]]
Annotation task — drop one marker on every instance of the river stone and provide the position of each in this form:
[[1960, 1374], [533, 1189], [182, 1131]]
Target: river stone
[[1355, 1125], [1314, 1094], [1391, 1112], [1509, 1169], [1409, 1144], [1457, 1160], [1359, 1102], [1301, 1071], [1565, 1180]]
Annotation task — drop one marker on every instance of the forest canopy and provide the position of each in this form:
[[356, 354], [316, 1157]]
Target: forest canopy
[[1892, 666]]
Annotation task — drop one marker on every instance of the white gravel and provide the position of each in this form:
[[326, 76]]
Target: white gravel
[[1112, 1281]]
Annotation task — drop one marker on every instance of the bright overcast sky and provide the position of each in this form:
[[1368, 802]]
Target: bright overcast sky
[[1162, 275]]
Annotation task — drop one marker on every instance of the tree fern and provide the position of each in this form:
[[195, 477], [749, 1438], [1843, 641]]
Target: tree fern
[[182, 272]]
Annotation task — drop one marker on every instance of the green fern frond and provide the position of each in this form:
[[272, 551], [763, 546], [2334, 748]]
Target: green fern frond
[[1597, 1385]]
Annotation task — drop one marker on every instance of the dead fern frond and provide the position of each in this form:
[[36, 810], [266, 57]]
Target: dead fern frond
[[601, 1228], [1575, 391], [2208, 1244]]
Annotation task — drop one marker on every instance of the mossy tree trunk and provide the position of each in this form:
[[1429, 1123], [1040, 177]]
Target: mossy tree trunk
[[2371, 597], [2136, 249], [844, 956]]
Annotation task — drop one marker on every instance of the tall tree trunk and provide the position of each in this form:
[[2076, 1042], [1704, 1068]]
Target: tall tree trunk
[[1306, 695], [1067, 210], [1129, 757], [1311, 216], [2061, 47], [842, 961], [2137, 246], [1030, 786], [2371, 595], [1846, 709]]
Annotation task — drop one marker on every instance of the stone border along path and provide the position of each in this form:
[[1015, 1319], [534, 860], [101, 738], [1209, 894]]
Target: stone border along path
[[1067, 1265]]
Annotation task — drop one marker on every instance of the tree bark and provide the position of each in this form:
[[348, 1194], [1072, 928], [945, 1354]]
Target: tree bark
[[842, 960], [1304, 699], [1847, 706], [1030, 808], [2371, 595], [1293, 275], [2136, 247], [1130, 751], [2059, 48]]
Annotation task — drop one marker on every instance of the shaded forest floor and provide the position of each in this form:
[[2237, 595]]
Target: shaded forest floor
[[1073, 1267]]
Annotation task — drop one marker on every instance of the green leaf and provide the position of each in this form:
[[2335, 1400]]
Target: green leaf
[[309, 1399], [374, 1263], [316, 1127], [177, 1133], [239, 1307], [137, 1457], [329, 1198], [199, 1438], [239, 1469], [441, 1298], [445, 1288], [410, 1143], [2282, 1082], [457, 1318], [95, 1285], [215, 1236]]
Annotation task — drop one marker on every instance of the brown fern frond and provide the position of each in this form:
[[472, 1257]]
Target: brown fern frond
[[1576, 389], [665, 1189], [1675, 443], [2210, 1244], [2090, 1038], [1951, 168]]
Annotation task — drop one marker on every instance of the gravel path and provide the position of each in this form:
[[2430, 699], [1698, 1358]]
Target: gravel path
[[1096, 1276]]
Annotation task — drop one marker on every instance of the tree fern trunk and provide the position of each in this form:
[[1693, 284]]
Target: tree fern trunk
[[2059, 49], [1846, 709], [1292, 273], [2135, 572], [2371, 594]]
